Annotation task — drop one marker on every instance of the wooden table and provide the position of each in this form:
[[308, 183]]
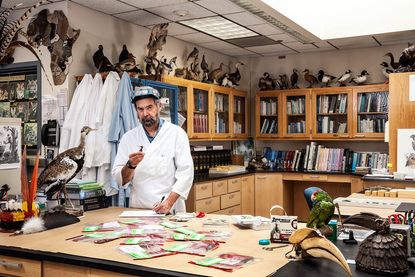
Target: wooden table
[[58, 257]]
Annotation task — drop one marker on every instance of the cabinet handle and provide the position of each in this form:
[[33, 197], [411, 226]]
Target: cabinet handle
[[203, 187], [262, 177], [244, 179], [208, 202], [232, 196], [314, 177], [234, 181], [359, 136], [11, 265]]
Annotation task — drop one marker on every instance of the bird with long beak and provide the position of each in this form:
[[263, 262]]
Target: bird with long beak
[[308, 243]]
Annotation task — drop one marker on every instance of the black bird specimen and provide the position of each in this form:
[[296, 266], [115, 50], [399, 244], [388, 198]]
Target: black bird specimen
[[344, 78], [235, 77], [324, 79], [294, 78], [101, 62], [407, 58], [63, 168], [283, 82], [393, 64], [382, 252], [386, 70], [193, 54], [205, 68], [124, 54], [360, 79], [311, 79], [266, 82]]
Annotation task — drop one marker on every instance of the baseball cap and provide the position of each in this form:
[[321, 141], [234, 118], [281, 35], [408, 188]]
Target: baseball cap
[[144, 92]]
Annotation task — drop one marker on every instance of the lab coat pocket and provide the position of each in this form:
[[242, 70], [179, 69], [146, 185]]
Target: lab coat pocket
[[161, 165], [153, 166]]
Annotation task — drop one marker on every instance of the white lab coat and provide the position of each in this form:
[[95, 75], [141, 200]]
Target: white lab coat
[[167, 166]]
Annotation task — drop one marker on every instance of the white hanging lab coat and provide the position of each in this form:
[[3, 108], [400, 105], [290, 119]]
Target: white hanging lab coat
[[167, 166]]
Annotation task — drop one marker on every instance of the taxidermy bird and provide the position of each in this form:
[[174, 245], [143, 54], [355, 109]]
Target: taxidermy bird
[[393, 64], [413, 141], [101, 62], [283, 81], [63, 168], [322, 209], [360, 79], [124, 54], [386, 70], [193, 54], [307, 243], [294, 78], [324, 79], [215, 74], [167, 66], [407, 58], [344, 78], [205, 68], [235, 77], [180, 72], [311, 79], [157, 39], [3, 192], [382, 252], [266, 82]]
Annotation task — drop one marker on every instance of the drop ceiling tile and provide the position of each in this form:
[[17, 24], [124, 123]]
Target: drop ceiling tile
[[106, 6], [267, 48], [141, 17], [244, 18], [396, 37], [145, 4], [265, 29], [354, 42], [300, 46], [219, 45], [197, 38], [323, 45], [193, 11], [279, 53], [236, 52], [24, 3], [220, 6], [283, 37], [178, 29]]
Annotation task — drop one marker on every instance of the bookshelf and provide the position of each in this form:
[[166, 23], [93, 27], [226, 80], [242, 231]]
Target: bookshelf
[[239, 114], [221, 116], [331, 113], [267, 107], [296, 110], [371, 108]]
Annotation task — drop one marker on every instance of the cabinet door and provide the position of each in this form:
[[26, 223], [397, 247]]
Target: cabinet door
[[371, 107], [221, 113], [331, 113], [267, 114], [239, 114], [296, 110], [268, 192], [200, 107], [247, 195]]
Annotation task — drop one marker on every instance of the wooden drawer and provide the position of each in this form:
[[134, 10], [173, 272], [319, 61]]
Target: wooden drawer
[[20, 267], [230, 211], [314, 177], [208, 205], [203, 190], [230, 199], [220, 187], [234, 184]]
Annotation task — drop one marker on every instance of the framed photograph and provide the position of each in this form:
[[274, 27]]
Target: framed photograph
[[20, 90], [4, 91], [406, 151], [30, 133], [4, 109], [22, 111], [10, 143], [245, 148], [32, 110], [31, 87], [12, 91]]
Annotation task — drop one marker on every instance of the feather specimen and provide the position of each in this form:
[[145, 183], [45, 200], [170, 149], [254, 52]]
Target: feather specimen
[[29, 192]]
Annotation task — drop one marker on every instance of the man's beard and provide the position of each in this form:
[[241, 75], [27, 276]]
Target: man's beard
[[149, 122]]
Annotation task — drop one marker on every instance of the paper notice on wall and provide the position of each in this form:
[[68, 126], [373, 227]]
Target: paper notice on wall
[[411, 87], [62, 105], [49, 108]]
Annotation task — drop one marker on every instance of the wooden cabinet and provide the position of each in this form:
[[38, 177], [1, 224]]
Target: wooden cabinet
[[296, 110], [248, 194], [370, 111], [331, 110], [268, 192], [268, 114], [11, 266], [211, 111]]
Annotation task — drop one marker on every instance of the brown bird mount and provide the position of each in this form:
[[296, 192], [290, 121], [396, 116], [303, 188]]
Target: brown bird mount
[[311, 79], [382, 252]]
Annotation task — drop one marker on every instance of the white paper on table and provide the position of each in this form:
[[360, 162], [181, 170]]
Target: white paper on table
[[139, 213], [131, 248], [112, 224]]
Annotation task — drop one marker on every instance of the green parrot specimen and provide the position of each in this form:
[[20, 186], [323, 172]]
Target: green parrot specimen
[[322, 211]]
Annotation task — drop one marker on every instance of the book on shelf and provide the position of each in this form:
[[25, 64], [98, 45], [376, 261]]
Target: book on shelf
[[83, 194]]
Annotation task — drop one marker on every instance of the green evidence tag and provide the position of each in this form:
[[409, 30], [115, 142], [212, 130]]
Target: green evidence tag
[[133, 241], [131, 221], [169, 225], [196, 236], [209, 261], [179, 236], [184, 231], [90, 229], [140, 255], [176, 247], [137, 232], [95, 236]]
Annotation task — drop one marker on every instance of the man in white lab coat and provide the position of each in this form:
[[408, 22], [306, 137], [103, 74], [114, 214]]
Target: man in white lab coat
[[154, 158]]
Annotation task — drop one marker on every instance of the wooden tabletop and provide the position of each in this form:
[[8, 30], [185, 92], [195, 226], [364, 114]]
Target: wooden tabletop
[[242, 241]]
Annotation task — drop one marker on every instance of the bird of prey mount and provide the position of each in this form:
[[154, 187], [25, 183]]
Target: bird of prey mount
[[63, 168], [155, 43]]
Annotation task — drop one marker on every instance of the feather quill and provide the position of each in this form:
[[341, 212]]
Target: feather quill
[[23, 177], [33, 225]]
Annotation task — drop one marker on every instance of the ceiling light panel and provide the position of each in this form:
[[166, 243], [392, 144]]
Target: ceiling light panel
[[197, 38], [244, 18], [300, 46], [220, 6], [141, 18], [219, 45], [219, 27], [145, 4], [182, 11], [106, 6]]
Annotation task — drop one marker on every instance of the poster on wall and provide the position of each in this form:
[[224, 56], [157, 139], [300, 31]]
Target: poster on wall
[[10, 143], [406, 151]]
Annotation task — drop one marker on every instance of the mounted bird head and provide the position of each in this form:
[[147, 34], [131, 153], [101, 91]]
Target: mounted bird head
[[364, 73], [306, 71], [384, 64], [308, 243], [85, 130]]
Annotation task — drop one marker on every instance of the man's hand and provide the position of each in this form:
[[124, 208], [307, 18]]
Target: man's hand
[[165, 206], [136, 158]]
